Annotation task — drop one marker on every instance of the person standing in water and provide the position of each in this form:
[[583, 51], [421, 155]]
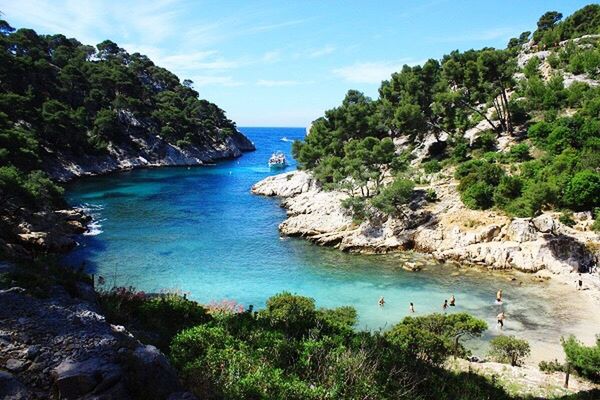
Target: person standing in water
[[500, 318], [445, 305], [412, 308], [381, 301], [452, 301], [499, 296]]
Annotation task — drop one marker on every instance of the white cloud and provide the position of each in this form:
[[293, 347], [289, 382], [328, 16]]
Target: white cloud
[[215, 80], [371, 72], [321, 52], [273, 83]]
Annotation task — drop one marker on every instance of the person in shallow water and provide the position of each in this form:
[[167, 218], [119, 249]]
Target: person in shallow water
[[411, 308], [381, 301], [452, 301], [500, 318], [499, 296], [445, 305]]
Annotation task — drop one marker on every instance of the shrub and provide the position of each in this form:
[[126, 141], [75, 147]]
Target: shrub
[[486, 142], [566, 218], [585, 360], [509, 349], [519, 152], [551, 366], [583, 191], [507, 190], [478, 196], [432, 166], [431, 195], [356, 206], [394, 196], [596, 224], [293, 314]]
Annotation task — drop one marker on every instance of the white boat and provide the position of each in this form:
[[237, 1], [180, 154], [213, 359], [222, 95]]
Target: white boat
[[277, 160]]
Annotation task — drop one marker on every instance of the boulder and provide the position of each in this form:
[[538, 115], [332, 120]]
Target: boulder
[[521, 230], [11, 388], [152, 375], [76, 379], [544, 223]]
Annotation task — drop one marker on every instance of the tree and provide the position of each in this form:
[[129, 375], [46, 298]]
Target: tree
[[394, 197], [509, 349], [585, 360], [583, 191]]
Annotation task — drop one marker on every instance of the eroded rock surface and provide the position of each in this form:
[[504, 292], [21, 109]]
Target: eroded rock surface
[[61, 347], [446, 229]]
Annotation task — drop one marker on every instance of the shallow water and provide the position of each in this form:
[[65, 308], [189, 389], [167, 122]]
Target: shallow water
[[201, 231]]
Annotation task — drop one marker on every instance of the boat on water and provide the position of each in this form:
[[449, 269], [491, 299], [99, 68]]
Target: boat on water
[[277, 160]]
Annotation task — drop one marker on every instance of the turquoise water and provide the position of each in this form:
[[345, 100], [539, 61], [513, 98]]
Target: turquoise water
[[201, 231]]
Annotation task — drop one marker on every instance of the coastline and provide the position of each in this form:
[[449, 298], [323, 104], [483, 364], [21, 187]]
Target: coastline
[[495, 244], [54, 231]]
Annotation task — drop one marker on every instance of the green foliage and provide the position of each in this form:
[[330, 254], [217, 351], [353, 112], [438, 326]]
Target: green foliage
[[154, 319], [509, 349], [394, 197], [552, 366], [431, 195], [583, 191], [292, 314], [357, 207], [519, 152], [432, 166], [566, 219], [585, 360], [243, 356], [596, 224]]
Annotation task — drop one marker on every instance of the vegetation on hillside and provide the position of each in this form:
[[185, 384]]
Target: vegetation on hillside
[[58, 96], [554, 161]]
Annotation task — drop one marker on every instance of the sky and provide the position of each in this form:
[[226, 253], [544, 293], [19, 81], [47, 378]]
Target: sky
[[283, 63]]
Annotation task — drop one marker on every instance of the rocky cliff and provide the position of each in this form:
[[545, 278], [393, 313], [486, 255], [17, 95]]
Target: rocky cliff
[[59, 346], [445, 228]]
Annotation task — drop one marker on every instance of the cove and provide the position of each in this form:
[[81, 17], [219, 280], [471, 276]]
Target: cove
[[199, 230]]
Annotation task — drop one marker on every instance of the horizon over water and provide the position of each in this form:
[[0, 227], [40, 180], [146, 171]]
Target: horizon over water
[[200, 230]]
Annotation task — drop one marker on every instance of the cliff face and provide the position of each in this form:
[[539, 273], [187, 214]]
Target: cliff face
[[445, 228], [143, 149]]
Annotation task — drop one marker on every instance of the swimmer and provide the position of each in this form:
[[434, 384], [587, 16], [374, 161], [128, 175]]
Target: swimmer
[[499, 296], [412, 308], [381, 301], [500, 318], [452, 301], [445, 305]]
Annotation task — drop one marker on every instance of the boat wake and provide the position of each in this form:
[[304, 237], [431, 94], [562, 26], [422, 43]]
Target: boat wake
[[285, 139]]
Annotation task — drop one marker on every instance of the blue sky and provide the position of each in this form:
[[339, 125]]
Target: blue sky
[[282, 63]]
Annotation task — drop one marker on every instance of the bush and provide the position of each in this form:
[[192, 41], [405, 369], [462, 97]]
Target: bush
[[583, 191], [394, 196], [357, 208], [566, 218], [596, 224], [292, 314], [431, 195], [585, 360], [432, 166], [509, 349], [478, 196], [551, 366], [519, 152]]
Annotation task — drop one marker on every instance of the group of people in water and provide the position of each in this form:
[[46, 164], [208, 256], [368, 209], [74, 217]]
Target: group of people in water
[[452, 303]]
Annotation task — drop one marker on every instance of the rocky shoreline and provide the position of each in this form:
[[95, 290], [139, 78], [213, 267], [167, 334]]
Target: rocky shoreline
[[60, 346], [446, 229], [55, 231]]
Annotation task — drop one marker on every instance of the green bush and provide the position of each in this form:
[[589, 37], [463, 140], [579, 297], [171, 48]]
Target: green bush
[[432, 166], [394, 197], [290, 313], [509, 349], [431, 195], [478, 196], [519, 152], [357, 208], [551, 366], [583, 191], [585, 360]]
